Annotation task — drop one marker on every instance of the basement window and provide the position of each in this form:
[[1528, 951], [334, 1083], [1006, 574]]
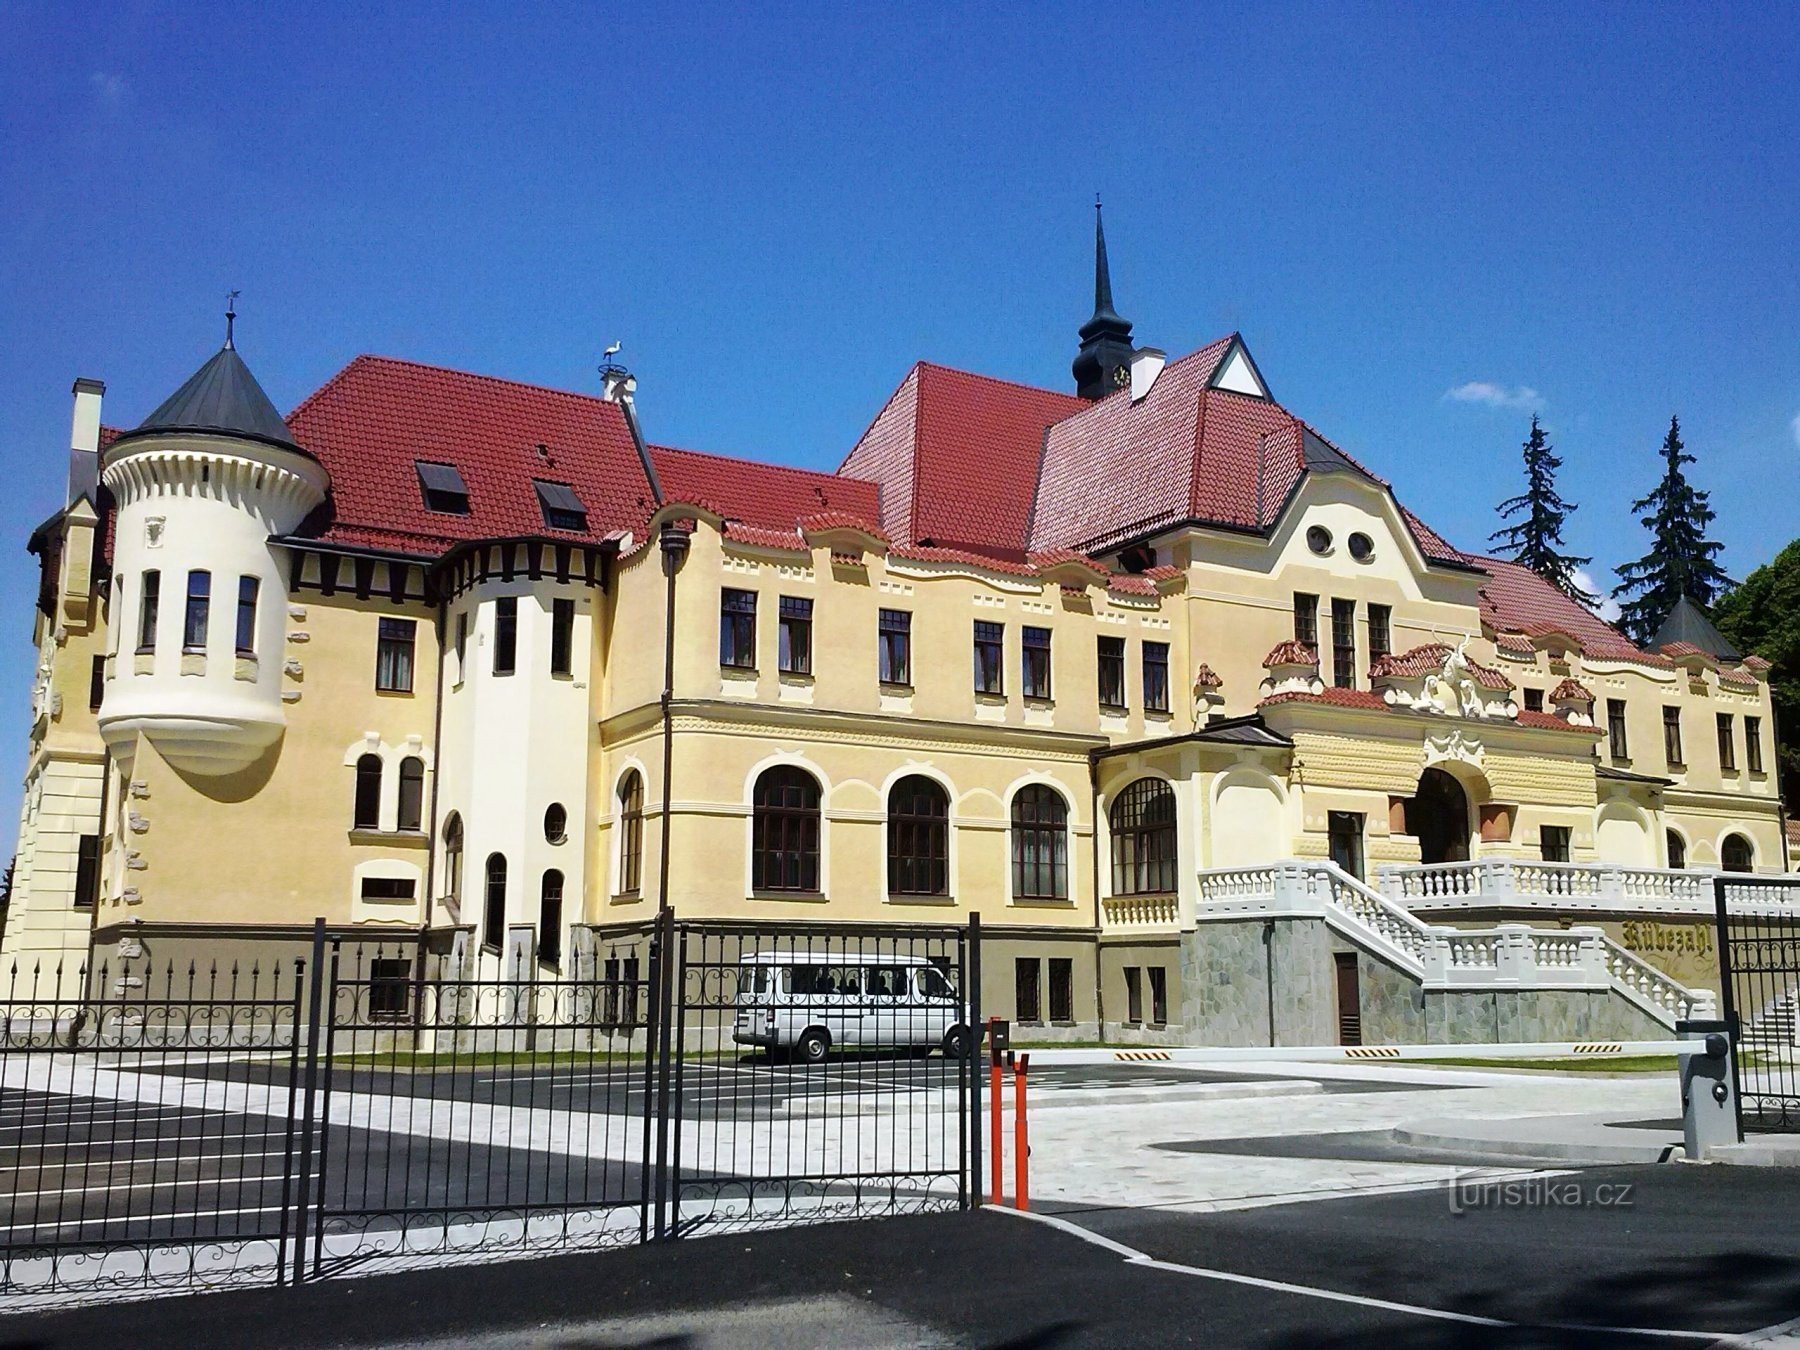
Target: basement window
[[562, 508], [443, 488]]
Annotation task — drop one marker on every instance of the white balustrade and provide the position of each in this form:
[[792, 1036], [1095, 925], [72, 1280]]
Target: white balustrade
[[1526, 883]]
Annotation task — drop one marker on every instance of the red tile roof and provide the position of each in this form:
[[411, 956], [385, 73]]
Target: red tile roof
[[956, 455], [931, 553], [1515, 599], [1544, 721], [1571, 689], [1429, 657], [1342, 698], [376, 417], [771, 496], [1291, 653]]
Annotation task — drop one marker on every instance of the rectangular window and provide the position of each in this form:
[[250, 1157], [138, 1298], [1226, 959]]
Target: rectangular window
[[147, 607], [562, 509], [87, 871], [506, 635], [462, 646], [97, 684], [1062, 989], [199, 605], [1672, 737], [737, 629], [394, 656], [990, 658], [562, 637], [1381, 631], [248, 587], [1156, 677], [1034, 662], [388, 888], [895, 655], [1112, 672], [794, 636], [1753, 744], [1615, 727], [1027, 1005], [1343, 643], [1727, 745], [390, 980], [1159, 994], [1306, 618], [1134, 994], [1534, 700], [443, 488], [1553, 843]]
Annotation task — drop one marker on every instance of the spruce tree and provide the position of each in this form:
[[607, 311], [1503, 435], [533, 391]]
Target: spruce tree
[[1536, 540], [1682, 560]]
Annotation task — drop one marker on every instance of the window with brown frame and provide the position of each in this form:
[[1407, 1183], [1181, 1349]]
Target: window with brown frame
[[784, 850], [631, 833], [1111, 654], [1040, 844], [1143, 839], [918, 837]]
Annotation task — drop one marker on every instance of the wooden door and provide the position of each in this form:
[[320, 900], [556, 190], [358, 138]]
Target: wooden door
[[1349, 1000]]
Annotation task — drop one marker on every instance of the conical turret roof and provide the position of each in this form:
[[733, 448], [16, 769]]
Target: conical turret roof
[[223, 398], [1687, 622]]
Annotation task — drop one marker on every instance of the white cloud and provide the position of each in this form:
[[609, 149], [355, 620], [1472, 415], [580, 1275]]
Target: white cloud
[[1492, 395], [1797, 429], [1608, 608]]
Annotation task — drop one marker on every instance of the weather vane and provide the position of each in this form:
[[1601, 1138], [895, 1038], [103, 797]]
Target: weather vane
[[230, 314]]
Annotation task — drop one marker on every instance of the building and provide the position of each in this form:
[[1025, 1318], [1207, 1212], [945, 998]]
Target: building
[[1142, 672]]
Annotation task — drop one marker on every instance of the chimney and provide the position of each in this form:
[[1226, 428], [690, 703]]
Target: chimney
[[84, 440]]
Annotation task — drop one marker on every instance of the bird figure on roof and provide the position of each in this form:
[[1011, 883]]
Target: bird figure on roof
[[611, 351]]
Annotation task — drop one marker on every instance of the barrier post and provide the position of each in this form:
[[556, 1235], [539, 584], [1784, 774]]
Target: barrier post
[[1021, 1137], [997, 1045]]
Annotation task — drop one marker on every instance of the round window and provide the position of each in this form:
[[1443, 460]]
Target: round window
[[1362, 548], [1318, 539], [556, 823]]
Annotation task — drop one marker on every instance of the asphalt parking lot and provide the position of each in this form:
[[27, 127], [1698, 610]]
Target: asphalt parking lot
[[1700, 1252]]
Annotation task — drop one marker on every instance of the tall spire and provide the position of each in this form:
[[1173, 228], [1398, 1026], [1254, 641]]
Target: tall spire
[[1104, 362], [230, 317]]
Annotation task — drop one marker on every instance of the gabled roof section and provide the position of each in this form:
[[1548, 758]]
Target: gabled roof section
[[1515, 599], [768, 496], [1687, 622], [378, 417], [221, 398], [1236, 371], [956, 457]]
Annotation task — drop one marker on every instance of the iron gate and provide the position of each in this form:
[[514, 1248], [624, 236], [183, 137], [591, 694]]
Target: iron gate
[[1759, 988], [353, 1110]]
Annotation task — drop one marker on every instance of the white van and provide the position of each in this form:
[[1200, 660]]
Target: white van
[[808, 1004]]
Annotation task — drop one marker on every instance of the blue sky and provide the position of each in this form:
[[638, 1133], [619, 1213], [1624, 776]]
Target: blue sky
[[1588, 211]]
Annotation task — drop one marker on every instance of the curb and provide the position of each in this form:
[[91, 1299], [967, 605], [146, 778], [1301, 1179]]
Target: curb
[[1438, 1136]]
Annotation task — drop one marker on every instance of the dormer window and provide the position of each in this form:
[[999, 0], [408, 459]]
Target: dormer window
[[443, 488], [562, 508]]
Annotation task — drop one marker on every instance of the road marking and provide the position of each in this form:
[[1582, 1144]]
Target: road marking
[[158, 1185], [114, 1163], [1134, 1257], [160, 1218]]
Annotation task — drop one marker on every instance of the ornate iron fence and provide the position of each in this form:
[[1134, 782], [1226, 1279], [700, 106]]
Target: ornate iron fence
[[368, 1106], [1759, 985]]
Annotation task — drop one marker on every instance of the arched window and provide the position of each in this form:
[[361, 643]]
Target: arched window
[[412, 794], [1040, 844], [1736, 854], [631, 833], [453, 859], [550, 918], [918, 837], [1677, 850], [1143, 839], [493, 913], [784, 844], [367, 813]]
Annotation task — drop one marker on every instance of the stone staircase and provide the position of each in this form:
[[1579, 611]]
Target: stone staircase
[[1776, 1024]]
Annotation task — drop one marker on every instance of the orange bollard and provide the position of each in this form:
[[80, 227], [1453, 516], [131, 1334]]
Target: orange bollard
[[995, 1099], [1021, 1137]]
